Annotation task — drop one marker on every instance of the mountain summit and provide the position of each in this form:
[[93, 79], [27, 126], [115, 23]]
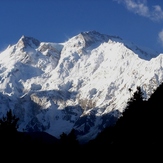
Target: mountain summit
[[81, 84], [28, 41]]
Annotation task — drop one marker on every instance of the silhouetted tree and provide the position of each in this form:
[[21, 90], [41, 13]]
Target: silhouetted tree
[[155, 120], [9, 123], [8, 128], [128, 127], [139, 126], [69, 140]]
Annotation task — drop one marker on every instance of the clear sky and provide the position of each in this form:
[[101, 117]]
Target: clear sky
[[139, 21]]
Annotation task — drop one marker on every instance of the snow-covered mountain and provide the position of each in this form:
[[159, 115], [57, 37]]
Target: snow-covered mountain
[[82, 83]]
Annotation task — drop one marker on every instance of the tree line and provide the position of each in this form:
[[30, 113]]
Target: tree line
[[139, 126]]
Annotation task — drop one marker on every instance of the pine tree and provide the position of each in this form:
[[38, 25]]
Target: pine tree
[[8, 128], [9, 123], [127, 130], [69, 140], [155, 122]]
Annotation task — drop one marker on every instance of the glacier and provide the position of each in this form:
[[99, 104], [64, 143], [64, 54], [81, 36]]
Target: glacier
[[82, 83]]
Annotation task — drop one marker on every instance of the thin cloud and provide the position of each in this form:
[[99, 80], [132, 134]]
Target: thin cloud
[[157, 13], [160, 36], [141, 8]]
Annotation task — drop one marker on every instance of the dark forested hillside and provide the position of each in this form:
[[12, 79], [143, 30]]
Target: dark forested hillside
[[139, 126]]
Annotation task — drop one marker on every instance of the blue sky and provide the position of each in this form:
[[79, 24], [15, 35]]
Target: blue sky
[[139, 21]]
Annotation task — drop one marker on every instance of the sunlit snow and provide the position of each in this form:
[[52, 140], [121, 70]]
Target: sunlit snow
[[82, 83]]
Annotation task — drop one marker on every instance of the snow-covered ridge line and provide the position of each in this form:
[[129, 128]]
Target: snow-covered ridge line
[[82, 83]]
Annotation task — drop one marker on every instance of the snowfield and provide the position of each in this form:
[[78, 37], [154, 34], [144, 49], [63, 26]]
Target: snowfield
[[82, 83]]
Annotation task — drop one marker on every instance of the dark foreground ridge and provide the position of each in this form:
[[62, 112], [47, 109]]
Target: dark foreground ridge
[[138, 129]]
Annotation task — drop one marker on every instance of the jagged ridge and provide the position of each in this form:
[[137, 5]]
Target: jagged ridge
[[82, 83]]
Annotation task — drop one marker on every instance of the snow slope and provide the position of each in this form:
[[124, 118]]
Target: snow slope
[[82, 83]]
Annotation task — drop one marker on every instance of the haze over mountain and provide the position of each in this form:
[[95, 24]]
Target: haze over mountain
[[80, 84]]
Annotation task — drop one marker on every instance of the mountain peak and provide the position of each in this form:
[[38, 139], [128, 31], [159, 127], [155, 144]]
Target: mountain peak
[[82, 83], [98, 36], [25, 41], [91, 37]]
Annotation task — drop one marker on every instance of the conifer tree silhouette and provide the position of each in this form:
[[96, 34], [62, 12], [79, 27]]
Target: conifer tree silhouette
[[8, 128], [128, 126], [155, 122], [9, 123]]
